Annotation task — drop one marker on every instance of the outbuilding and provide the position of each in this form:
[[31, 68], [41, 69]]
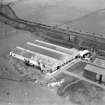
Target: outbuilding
[[95, 71]]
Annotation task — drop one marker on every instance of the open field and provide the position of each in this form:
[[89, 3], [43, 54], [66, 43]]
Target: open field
[[54, 12], [26, 93], [93, 23]]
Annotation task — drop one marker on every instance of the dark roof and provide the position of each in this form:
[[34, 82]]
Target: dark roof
[[56, 47], [23, 53], [43, 51]]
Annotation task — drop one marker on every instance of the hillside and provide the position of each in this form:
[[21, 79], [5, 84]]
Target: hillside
[[52, 12], [93, 23]]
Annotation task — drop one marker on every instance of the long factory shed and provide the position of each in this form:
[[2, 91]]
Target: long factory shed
[[69, 52]]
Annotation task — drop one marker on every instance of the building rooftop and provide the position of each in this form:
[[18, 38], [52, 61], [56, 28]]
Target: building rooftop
[[44, 51], [35, 56], [99, 62], [56, 47], [95, 69]]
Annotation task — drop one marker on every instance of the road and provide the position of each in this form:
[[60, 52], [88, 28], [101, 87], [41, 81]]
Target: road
[[75, 73], [62, 69]]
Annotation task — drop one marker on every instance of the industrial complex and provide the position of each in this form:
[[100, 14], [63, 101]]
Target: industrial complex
[[44, 57], [51, 60], [47, 56]]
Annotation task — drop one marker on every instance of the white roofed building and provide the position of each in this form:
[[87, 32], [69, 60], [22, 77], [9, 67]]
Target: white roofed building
[[49, 57]]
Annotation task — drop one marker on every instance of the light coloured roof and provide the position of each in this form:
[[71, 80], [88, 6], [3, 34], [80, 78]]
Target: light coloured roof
[[99, 62], [84, 52], [95, 69]]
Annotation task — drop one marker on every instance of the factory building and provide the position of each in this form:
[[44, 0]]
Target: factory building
[[47, 56]]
